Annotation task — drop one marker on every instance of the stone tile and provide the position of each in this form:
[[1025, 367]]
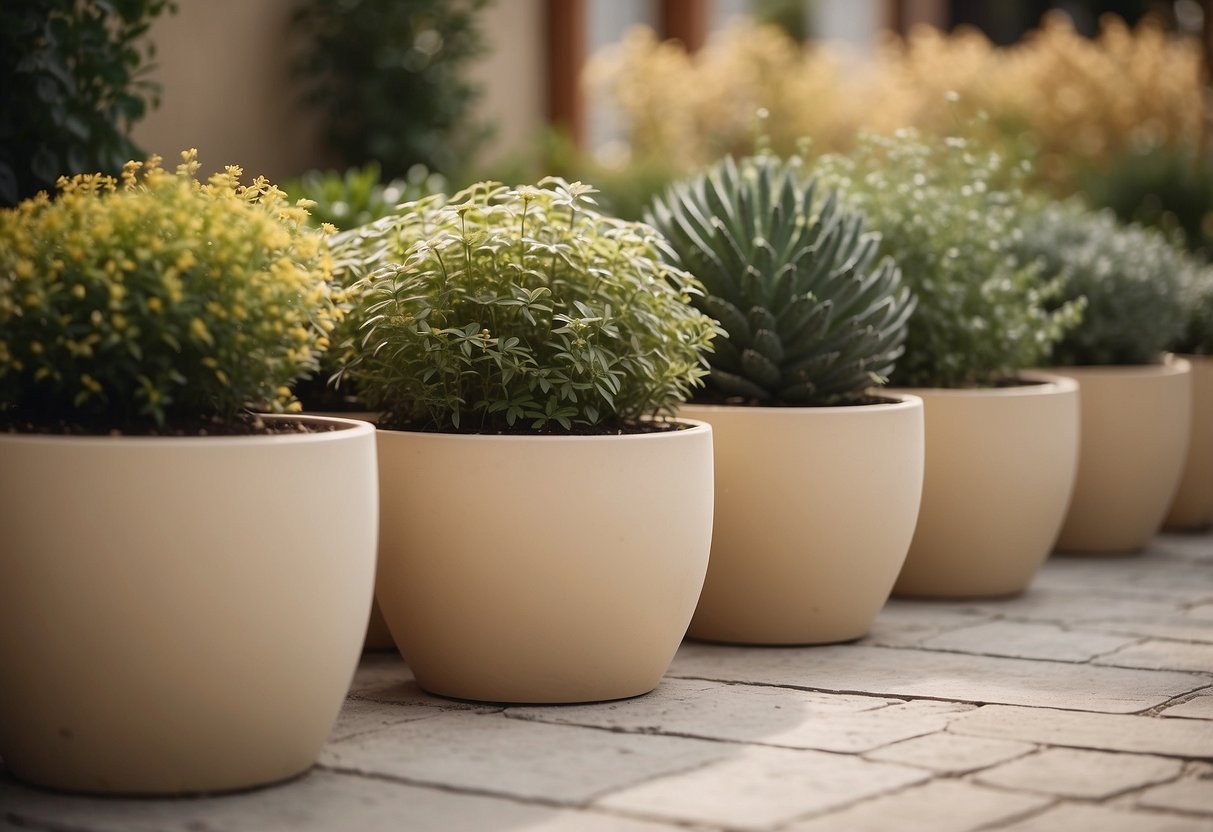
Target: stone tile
[[939, 806], [1177, 627], [1078, 817], [1193, 793], [760, 787], [319, 802], [384, 677], [919, 673], [760, 714], [948, 753], [1027, 640], [1163, 655], [1152, 576], [534, 760], [1072, 772], [1073, 607], [359, 716], [1198, 707], [1106, 732], [1197, 547], [905, 622], [1201, 612]]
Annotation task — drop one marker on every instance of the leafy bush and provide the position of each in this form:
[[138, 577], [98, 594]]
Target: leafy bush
[[811, 318], [389, 78], [156, 300], [523, 306], [950, 216], [74, 81], [1128, 275], [359, 196], [1170, 189], [1196, 285]]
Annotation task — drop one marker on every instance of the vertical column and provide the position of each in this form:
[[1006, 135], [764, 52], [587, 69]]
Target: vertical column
[[566, 39], [685, 20]]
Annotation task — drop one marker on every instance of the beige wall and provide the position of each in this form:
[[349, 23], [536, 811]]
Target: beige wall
[[225, 69]]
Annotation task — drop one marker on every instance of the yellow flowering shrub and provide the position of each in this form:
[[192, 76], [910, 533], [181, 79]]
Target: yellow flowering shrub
[[1080, 103], [155, 301]]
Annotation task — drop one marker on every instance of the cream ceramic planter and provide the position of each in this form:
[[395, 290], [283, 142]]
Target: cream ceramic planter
[[815, 508], [542, 568], [1135, 427], [1000, 465], [180, 614], [1192, 507]]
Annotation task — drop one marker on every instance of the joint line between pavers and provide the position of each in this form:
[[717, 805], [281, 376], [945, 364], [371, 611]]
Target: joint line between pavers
[[44, 825]]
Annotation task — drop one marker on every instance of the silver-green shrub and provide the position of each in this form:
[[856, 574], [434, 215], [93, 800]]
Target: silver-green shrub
[[811, 317], [505, 309], [1129, 276], [950, 215], [1196, 284]]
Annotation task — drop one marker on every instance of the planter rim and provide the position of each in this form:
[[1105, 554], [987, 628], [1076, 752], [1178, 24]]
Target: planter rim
[[695, 428], [1047, 384], [349, 427], [1173, 365], [900, 400]]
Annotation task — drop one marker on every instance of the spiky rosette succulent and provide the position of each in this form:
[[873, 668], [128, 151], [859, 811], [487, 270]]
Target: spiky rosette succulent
[[811, 317]]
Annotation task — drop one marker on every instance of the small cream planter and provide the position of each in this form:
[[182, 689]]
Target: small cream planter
[[1192, 507], [180, 615], [815, 508], [1000, 465], [542, 568], [1135, 427]]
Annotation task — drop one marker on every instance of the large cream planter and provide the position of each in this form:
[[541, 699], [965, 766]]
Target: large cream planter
[[180, 615], [1192, 507], [815, 508], [1135, 428], [542, 568], [1000, 466]]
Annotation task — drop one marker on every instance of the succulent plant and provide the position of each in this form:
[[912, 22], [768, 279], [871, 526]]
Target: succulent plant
[[811, 317], [950, 215], [520, 309], [1127, 274], [156, 301]]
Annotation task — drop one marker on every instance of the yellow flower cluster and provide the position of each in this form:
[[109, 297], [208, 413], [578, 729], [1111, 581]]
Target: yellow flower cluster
[[1080, 103], [128, 303]]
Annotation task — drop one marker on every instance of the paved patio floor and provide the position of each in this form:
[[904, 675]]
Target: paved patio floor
[[1086, 704]]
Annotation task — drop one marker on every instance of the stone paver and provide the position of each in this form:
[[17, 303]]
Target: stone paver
[[1198, 707], [761, 787], [884, 671], [940, 806], [1193, 793], [1163, 655], [1106, 732], [1072, 772], [1020, 640], [762, 715], [320, 802], [490, 753], [1085, 703], [1080, 818], [948, 753]]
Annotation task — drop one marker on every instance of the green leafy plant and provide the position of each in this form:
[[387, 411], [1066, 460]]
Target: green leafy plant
[[950, 215], [359, 195], [156, 301], [1196, 285], [811, 318], [390, 79], [74, 76], [1164, 187], [523, 308], [1126, 273]]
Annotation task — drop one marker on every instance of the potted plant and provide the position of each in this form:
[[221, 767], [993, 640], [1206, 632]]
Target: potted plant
[[1135, 405], [817, 482], [1001, 443], [1192, 507], [539, 540], [165, 550]]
